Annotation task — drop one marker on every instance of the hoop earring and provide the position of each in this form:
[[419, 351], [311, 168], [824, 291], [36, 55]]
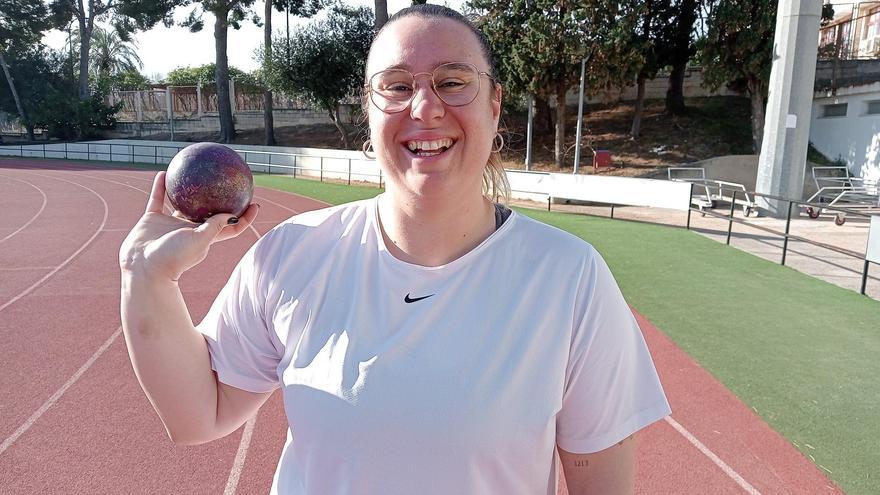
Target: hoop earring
[[498, 137], [366, 148]]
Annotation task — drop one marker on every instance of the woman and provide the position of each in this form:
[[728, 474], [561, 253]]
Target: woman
[[426, 341]]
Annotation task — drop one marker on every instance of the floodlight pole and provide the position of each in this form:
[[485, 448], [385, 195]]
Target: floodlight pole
[[529, 133], [577, 144], [783, 155]]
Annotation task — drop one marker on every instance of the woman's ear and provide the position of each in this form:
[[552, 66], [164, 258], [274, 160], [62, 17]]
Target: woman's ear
[[496, 101]]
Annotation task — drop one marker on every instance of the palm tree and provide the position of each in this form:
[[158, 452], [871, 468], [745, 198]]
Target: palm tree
[[111, 55]]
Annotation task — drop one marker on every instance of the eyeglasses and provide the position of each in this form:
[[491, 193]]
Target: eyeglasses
[[456, 84]]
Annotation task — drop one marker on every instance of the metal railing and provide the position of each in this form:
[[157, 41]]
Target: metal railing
[[786, 235], [103, 151]]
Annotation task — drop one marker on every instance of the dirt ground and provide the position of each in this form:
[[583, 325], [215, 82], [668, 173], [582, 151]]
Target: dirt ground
[[713, 127]]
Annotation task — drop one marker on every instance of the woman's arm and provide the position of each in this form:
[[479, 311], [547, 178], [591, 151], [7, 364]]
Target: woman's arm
[[170, 357], [607, 472]]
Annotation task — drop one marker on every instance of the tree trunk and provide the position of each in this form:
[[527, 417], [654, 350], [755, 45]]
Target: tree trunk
[[675, 92], [381, 13], [636, 129], [21, 113], [683, 48], [86, 25], [559, 149], [758, 105], [334, 116], [268, 118], [221, 78], [543, 122]]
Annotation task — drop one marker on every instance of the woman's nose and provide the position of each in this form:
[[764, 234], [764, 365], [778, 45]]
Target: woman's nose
[[426, 105]]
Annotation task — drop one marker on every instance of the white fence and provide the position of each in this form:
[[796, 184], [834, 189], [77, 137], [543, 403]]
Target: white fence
[[353, 166]]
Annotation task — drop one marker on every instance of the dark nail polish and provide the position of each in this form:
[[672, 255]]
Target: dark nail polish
[[232, 221]]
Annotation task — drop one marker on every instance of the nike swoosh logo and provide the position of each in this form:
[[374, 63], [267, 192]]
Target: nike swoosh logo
[[408, 299]]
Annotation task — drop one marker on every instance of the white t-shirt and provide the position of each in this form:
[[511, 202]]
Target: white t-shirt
[[457, 379]]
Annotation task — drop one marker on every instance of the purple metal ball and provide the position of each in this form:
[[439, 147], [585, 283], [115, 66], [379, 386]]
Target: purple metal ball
[[205, 179]]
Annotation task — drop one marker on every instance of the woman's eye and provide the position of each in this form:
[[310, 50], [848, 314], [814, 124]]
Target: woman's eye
[[451, 84], [398, 88]]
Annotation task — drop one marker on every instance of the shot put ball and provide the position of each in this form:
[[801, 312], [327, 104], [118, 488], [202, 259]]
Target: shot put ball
[[205, 179]]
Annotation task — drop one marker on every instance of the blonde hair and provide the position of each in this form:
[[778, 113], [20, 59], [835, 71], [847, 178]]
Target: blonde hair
[[496, 187]]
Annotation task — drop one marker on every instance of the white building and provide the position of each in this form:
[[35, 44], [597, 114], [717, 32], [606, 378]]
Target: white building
[[845, 122]]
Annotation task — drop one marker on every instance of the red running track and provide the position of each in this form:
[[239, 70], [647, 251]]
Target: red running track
[[74, 420]]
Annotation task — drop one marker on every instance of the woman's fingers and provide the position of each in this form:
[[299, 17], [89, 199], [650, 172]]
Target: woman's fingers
[[157, 194], [239, 225]]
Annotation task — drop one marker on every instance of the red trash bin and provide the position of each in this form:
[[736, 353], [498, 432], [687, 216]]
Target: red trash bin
[[602, 159]]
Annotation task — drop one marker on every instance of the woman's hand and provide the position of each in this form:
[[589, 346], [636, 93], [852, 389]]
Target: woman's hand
[[165, 246]]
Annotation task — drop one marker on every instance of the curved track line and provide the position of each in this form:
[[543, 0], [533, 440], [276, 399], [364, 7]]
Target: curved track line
[[262, 198], [745, 485], [42, 207], [164, 204], [58, 393], [72, 256]]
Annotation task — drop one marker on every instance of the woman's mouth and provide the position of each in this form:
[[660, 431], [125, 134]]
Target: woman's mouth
[[429, 148]]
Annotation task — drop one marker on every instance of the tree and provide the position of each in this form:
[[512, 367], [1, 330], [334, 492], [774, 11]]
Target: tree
[[299, 8], [540, 45], [21, 25], [679, 48], [326, 61], [110, 55], [49, 98], [126, 17], [130, 80], [737, 51], [647, 41]]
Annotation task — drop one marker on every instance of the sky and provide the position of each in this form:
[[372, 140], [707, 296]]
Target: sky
[[162, 49]]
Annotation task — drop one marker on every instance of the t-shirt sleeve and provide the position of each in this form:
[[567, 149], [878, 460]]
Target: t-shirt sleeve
[[611, 386], [245, 352]]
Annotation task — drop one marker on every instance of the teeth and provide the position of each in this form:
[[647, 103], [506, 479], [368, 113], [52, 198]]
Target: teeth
[[429, 145]]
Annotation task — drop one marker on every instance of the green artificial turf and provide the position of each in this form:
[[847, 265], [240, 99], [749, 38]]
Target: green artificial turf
[[803, 353], [325, 191]]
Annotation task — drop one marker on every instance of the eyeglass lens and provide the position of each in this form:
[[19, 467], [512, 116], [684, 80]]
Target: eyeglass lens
[[456, 84]]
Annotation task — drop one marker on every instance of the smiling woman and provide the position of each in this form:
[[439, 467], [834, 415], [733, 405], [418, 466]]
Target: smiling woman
[[429, 340]]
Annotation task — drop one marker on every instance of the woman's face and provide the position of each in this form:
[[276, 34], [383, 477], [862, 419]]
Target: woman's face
[[464, 134]]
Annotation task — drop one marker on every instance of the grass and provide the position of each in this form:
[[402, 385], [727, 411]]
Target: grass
[[802, 352]]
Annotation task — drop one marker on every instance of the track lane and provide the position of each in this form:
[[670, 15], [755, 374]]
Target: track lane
[[200, 298], [15, 207]]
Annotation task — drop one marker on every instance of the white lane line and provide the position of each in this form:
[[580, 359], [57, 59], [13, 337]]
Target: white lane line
[[165, 204], [261, 198], [72, 256], [58, 393], [240, 456], [243, 445], [714, 458], [42, 207]]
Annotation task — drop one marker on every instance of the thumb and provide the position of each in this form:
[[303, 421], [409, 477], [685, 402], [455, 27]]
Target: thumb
[[212, 227]]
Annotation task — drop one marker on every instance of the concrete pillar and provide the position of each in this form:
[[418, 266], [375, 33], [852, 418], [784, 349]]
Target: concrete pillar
[[139, 105], [232, 95], [199, 99], [787, 122]]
